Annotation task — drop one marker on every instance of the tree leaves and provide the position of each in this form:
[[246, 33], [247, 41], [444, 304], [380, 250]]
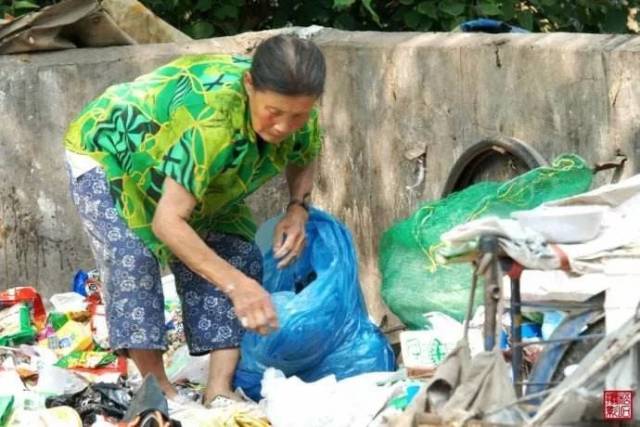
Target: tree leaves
[[24, 5], [343, 4], [226, 11], [369, 8], [489, 8], [412, 19], [204, 5], [508, 9], [452, 8], [525, 19], [428, 8], [207, 18], [202, 30], [615, 21]]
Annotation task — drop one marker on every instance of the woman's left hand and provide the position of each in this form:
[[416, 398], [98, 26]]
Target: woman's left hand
[[290, 238]]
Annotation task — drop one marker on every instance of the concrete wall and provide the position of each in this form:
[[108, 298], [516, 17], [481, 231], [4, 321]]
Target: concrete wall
[[386, 94]]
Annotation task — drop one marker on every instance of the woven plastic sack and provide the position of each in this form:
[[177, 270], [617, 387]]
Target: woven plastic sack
[[413, 283], [324, 325]]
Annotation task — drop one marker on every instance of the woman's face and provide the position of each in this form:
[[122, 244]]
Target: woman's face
[[274, 116]]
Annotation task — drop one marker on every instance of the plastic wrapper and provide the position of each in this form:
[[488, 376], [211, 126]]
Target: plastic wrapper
[[69, 302], [173, 315], [11, 382], [426, 349], [25, 360], [88, 285], [181, 366], [6, 406], [15, 325], [29, 296], [95, 366], [79, 283], [99, 326], [324, 326], [110, 400], [175, 329], [57, 381], [57, 320], [62, 416], [73, 336], [87, 359]]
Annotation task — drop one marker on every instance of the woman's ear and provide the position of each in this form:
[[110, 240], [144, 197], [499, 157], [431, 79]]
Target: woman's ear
[[248, 83]]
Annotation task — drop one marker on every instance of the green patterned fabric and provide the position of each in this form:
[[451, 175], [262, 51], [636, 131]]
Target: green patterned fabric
[[188, 120]]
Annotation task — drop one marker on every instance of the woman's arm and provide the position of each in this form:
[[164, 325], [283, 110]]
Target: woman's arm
[[170, 224], [290, 238], [300, 180]]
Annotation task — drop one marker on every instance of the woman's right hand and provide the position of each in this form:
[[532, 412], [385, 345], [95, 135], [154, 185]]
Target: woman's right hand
[[170, 224], [253, 306]]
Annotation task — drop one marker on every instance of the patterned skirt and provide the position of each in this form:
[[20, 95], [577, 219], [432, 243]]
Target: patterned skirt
[[132, 285]]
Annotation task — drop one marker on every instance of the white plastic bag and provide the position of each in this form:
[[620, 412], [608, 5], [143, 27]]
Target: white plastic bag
[[353, 402], [57, 381], [68, 302], [183, 366]]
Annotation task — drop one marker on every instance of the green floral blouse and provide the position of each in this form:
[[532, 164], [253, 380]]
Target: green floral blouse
[[188, 120]]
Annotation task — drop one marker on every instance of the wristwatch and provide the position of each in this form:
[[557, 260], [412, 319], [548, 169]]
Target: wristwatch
[[303, 203]]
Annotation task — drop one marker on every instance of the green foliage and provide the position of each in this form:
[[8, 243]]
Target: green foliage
[[207, 18], [204, 18], [14, 8]]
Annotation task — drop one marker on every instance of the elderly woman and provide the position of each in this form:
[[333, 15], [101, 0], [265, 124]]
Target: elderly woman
[[160, 168]]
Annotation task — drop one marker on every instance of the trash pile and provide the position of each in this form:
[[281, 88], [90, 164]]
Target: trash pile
[[548, 331], [415, 282], [329, 365], [55, 364], [56, 368]]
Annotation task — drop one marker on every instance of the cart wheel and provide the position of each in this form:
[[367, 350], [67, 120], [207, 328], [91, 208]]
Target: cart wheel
[[578, 350], [492, 159], [549, 369]]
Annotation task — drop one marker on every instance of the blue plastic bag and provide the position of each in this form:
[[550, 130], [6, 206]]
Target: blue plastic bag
[[324, 326], [79, 282], [485, 25]]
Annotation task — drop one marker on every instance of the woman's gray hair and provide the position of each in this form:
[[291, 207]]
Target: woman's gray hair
[[289, 65]]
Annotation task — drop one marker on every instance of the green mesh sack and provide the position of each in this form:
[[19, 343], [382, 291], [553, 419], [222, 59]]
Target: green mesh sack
[[414, 283]]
